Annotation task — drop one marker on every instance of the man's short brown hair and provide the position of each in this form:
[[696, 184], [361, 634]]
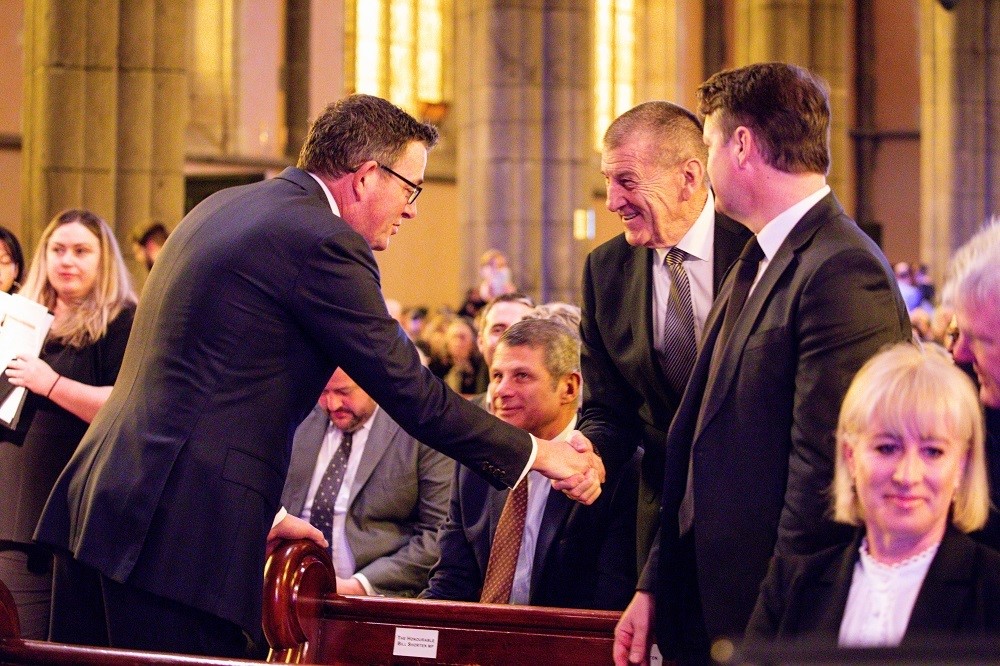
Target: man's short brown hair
[[787, 108], [359, 128]]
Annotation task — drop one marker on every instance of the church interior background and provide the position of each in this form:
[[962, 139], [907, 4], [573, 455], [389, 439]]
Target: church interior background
[[137, 109]]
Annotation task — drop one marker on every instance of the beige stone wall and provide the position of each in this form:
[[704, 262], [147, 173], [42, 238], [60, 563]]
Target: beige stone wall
[[11, 82]]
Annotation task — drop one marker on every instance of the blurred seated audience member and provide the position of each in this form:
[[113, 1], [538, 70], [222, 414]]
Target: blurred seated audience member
[[565, 554], [464, 360], [147, 243], [78, 273], [567, 314], [495, 280], [922, 278], [920, 321], [911, 471], [973, 290], [382, 513], [413, 321], [495, 318], [434, 335], [11, 262], [913, 296]]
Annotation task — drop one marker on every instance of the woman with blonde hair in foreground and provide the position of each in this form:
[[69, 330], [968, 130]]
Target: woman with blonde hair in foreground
[[911, 472]]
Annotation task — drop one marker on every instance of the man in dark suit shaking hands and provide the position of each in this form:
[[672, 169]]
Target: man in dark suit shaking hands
[[749, 455], [643, 312], [260, 293]]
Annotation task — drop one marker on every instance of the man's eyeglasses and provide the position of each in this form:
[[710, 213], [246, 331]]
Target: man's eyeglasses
[[415, 189]]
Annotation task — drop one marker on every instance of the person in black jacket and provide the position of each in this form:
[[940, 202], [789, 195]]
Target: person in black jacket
[[911, 472]]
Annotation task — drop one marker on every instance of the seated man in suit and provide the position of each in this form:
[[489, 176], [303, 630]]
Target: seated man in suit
[[530, 545], [377, 494]]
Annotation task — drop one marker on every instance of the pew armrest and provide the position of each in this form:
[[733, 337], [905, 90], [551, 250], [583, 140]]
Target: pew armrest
[[297, 576]]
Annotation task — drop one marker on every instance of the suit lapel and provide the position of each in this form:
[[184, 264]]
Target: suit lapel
[[308, 440], [382, 432], [786, 258], [557, 507]]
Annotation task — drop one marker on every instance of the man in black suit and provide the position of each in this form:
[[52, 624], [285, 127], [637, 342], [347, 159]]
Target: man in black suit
[[260, 293], [749, 455], [568, 555], [654, 166]]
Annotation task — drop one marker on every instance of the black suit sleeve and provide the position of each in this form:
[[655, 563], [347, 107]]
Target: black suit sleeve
[[338, 299], [610, 405], [457, 575], [845, 316]]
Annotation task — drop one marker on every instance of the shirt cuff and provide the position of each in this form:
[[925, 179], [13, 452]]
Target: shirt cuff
[[279, 517], [531, 458], [361, 578]]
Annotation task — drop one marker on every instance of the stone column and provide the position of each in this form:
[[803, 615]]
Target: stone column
[[70, 111], [105, 108], [813, 34], [152, 117], [960, 125], [521, 90]]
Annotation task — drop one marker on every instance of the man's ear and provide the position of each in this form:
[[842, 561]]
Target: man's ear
[[569, 387], [743, 143], [693, 173], [364, 178]]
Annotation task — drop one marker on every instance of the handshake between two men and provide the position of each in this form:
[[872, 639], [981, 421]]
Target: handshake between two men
[[572, 464]]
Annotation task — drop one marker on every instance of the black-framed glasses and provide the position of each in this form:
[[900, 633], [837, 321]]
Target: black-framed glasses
[[415, 189]]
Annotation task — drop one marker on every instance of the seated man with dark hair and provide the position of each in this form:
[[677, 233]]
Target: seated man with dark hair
[[530, 545], [377, 494]]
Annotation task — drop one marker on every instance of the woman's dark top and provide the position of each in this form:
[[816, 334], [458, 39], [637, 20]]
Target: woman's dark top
[[33, 455]]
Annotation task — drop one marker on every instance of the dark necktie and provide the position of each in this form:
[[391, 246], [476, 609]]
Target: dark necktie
[[506, 546], [321, 515], [746, 273], [679, 347]]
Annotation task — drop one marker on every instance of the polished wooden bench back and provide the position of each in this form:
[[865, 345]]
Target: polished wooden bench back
[[305, 621]]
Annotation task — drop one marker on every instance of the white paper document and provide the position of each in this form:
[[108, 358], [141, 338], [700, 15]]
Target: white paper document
[[25, 325]]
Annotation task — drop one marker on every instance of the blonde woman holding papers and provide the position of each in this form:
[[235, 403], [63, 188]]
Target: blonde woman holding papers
[[77, 273]]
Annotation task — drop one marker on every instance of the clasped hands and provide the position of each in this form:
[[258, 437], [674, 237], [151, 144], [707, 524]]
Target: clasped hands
[[573, 465]]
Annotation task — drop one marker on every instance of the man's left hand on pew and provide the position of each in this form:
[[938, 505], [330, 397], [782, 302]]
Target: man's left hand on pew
[[293, 527]]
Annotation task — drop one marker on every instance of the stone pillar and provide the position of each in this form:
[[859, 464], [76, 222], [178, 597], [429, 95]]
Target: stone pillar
[[960, 125], [813, 34], [152, 117], [105, 109], [70, 111], [521, 92]]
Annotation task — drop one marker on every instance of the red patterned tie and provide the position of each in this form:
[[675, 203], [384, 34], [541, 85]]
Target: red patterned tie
[[506, 546]]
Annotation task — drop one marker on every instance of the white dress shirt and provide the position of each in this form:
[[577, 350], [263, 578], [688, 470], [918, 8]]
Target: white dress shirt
[[538, 495], [881, 599], [776, 231], [699, 244], [343, 558]]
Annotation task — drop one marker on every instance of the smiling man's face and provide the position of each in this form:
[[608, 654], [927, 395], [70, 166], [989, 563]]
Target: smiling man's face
[[645, 189]]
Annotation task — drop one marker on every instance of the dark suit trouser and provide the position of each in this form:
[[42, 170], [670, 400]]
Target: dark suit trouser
[[647, 516], [91, 609], [694, 645], [27, 573]]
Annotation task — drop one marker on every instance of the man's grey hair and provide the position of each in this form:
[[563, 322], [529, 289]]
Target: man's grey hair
[[974, 273], [560, 346]]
